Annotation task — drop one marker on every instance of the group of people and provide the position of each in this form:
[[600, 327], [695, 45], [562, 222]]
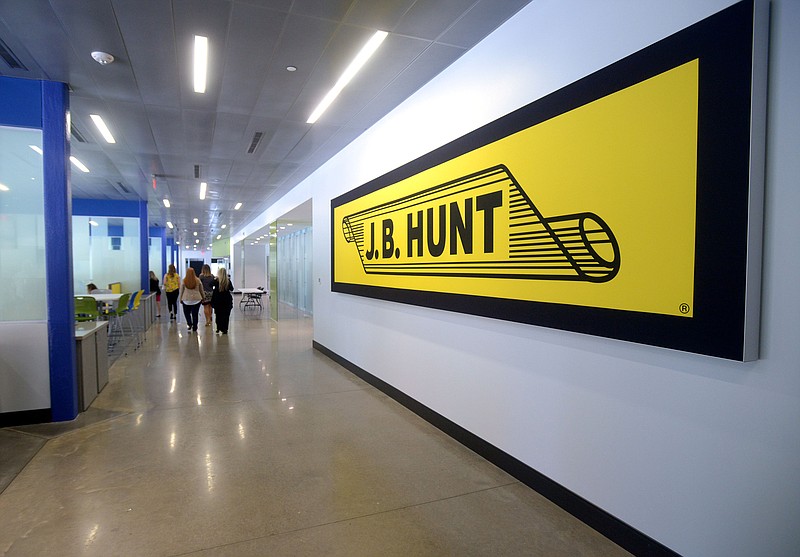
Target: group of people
[[213, 293]]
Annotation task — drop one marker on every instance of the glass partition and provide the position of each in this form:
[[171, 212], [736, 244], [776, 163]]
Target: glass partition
[[22, 240], [294, 265], [105, 250]]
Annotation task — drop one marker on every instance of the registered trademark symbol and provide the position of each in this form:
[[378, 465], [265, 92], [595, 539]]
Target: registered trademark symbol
[[684, 308]]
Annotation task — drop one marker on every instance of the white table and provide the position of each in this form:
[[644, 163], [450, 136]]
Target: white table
[[105, 302], [106, 298], [251, 297]]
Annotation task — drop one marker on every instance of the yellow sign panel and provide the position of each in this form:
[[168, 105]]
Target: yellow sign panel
[[594, 207]]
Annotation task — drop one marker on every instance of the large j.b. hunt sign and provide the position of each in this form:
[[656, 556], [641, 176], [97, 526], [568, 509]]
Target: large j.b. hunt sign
[[618, 206]]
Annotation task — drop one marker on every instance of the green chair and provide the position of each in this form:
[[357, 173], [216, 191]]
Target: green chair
[[85, 308]]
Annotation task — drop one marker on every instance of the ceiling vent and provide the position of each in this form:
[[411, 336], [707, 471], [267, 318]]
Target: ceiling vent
[[254, 144], [197, 171], [76, 134], [10, 58], [120, 187]]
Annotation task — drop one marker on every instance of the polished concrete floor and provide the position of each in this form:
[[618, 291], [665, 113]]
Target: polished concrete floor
[[255, 444]]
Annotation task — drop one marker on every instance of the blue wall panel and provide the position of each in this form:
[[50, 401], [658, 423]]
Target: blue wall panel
[[25, 95], [104, 208]]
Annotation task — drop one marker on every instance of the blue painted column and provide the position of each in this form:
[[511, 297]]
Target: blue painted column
[[58, 252], [163, 231], [144, 247]]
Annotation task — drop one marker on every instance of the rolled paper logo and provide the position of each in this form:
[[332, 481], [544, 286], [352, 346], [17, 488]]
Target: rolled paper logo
[[481, 225]]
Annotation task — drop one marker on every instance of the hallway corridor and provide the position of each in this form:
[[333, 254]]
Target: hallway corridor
[[255, 444]]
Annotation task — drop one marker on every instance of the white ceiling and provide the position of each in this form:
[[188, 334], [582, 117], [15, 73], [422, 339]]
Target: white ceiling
[[164, 129]]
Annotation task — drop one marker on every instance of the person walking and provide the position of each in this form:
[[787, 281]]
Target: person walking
[[208, 291], [156, 289], [172, 284], [191, 296], [222, 300]]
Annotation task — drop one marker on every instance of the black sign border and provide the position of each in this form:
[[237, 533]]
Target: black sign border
[[723, 43]]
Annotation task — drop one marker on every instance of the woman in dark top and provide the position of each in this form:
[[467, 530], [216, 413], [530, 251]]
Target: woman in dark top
[[208, 287], [156, 289], [222, 300]]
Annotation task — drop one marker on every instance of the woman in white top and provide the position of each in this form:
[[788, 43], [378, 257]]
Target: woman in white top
[[191, 296]]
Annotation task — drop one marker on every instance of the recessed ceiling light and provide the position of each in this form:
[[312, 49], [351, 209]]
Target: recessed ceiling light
[[200, 63], [203, 187], [194, 233], [197, 241], [224, 226], [166, 203], [101, 125], [170, 224], [361, 58], [237, 206], [195, 220], [291, 68], [219, 236], [79, 164]]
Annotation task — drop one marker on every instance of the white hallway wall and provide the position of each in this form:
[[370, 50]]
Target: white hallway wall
[[701, 454]]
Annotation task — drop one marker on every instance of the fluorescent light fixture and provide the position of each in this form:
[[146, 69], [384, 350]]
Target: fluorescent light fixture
[[101, 125], [79, 164], [203, 187], [166, 203], [219, 236], [224, 226], [200, 63], [94, 223], [237, 206], [195, 220], [170, 225], [36, 148], [361, 58], [4, 187]]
